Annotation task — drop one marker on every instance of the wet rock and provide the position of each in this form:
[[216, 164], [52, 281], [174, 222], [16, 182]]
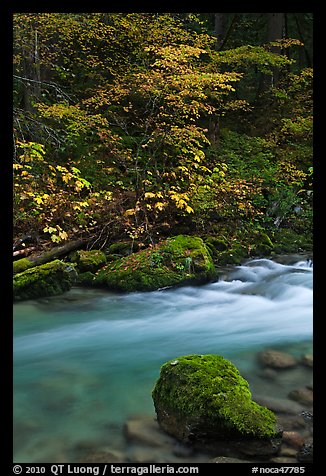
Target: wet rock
[[225, 459], [243, 448], [279, 405], [302, 395], [182, 450], [308, 417], [306, 453], [283, 460], [145, 430], [112, 456], [307, 360], [293, 439], [143, 455], [276, 359], [287, 451], [268, 374], [291, 422], [204, 402]]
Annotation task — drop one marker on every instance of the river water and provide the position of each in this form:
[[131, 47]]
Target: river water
[[86, 361]]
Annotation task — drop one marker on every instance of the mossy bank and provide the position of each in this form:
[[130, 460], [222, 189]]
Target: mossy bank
[[178, 260]]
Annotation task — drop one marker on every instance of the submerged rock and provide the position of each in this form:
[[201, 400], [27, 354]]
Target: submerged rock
[[177, 260], [307, 360], [306, 453], [48, 279], [202, 400], [303, 395], [276, 359], [279, 405], [144, 430], [225, 459]]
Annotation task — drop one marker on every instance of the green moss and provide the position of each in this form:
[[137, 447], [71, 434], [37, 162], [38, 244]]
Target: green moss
[[48, 279], [89, 260], [218, 243], [261, 245], [180, 259], [234, 255], [21, 265], [209, 390], [289, 241], [85, 279], [122, 248]]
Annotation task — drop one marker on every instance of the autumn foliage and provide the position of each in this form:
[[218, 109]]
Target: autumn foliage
[[126, 124]]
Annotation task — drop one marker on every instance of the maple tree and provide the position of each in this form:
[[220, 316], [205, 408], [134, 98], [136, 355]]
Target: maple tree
[[122, 118]]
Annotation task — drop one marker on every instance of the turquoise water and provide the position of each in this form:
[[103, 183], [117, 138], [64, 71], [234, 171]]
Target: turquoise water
[[86, 361]]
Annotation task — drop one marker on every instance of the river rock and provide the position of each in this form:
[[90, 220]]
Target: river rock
[[302, 395], [279, 405], [48, 279], [283, 460], [176, 261], [225, 459], [276, 359], [293, 439], [290, 422], [203, 401], [307, 360], [111, 456], [306, 453], [145, 430], [287, 451]]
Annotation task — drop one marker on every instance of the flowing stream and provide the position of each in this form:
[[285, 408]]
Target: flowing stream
[[86, 361]]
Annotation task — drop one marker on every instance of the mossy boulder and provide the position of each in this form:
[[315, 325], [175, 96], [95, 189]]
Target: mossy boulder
[[216, 243], [178, 260], [85, 279], [203, 400], [21, 265], [89, 261], [48, 279], [121, 248]]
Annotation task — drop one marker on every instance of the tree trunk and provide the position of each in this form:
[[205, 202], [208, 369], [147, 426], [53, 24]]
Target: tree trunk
[[275, 26], [219, 28], [275, 31], [32, 72]]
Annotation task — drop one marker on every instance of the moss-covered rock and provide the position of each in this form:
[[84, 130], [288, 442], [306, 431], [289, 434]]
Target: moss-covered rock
[[203, 399], [21, 265], [121, 248], [48, 279], [289, 241], [261, 245], [85, 279], [89, 260], [218, 243], [177, 260]]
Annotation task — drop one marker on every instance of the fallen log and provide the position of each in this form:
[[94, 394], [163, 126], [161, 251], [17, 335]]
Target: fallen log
[[24, 252], [58, 251], [25, 263]]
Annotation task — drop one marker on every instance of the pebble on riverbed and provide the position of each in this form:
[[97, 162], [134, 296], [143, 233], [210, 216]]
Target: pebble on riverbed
[[302, 395], [276, 359], [307, 360]]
